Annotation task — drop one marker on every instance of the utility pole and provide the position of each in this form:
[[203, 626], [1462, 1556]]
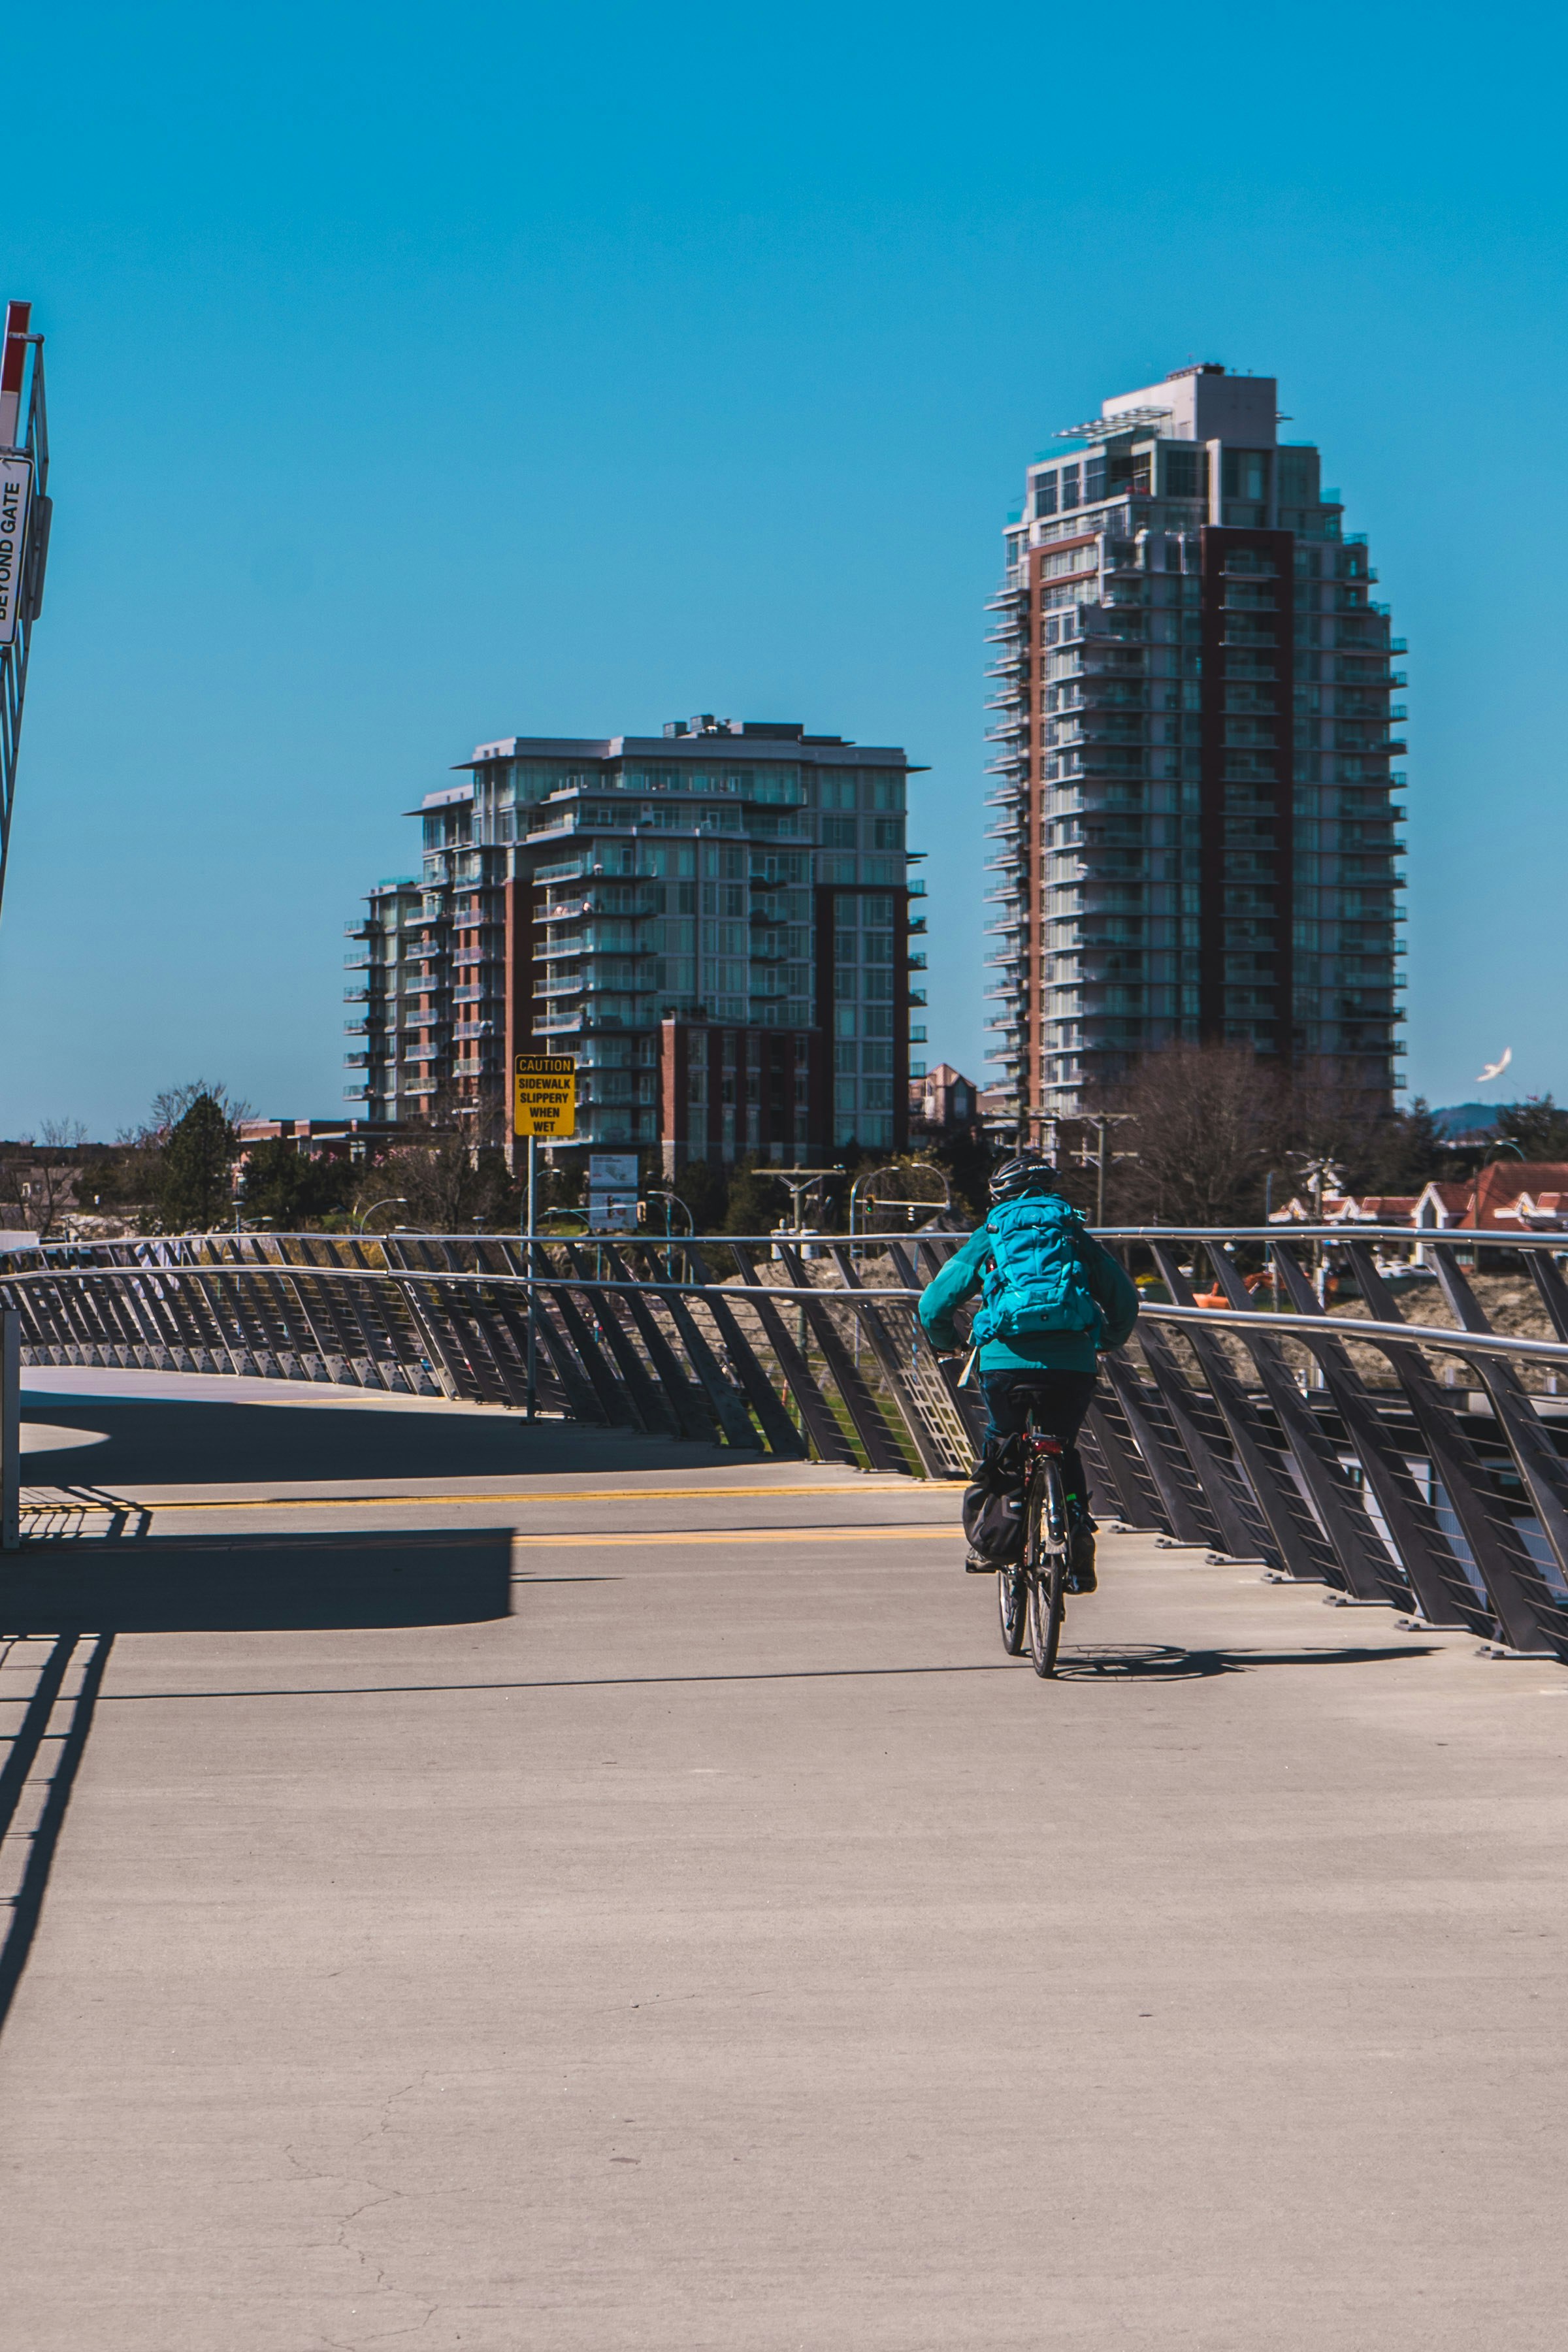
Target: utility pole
[[1099, 1156]]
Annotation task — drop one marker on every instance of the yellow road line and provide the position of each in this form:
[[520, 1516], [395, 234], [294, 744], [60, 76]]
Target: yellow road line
[[740, 1535], [370, 1502]]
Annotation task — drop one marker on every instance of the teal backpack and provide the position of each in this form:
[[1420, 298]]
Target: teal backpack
[[1035, 1280]]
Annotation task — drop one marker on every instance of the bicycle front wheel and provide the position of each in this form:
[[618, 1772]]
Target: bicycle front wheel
[[1046, 1566]]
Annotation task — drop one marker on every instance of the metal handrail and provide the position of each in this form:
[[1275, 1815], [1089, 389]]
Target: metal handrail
[[271, 1270], [1412, 1236], [1394, 1493], [468, 1238], [1253, 1320], [1351, 1328]]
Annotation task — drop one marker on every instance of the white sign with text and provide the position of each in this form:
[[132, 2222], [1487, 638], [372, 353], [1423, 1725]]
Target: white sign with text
[[16, 485]]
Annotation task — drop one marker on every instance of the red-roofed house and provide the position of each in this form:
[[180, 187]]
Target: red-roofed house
[[1344, 1209], [1521, 1195]]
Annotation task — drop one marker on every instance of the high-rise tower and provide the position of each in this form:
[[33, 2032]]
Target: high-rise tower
[[1194, 796], [716, 922]]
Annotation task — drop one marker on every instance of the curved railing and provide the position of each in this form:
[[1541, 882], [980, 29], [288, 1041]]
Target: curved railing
[[1410, 1462]]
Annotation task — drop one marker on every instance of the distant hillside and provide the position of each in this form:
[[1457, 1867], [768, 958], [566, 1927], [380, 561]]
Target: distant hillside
[[1468, 1119]]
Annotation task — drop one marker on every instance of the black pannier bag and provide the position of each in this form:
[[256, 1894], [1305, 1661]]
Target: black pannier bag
[[993, 1502]]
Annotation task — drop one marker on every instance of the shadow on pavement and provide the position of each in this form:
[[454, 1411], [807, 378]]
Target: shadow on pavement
[[84, 1657], [190, 1441], [1164, 1662], [61, 1607], [261, 1584]]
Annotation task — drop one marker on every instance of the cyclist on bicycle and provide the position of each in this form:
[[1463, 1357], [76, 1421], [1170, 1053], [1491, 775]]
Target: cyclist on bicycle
[[1053, 1298]]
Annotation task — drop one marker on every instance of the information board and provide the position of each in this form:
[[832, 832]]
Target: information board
[[544, 1095], [612, 1171]]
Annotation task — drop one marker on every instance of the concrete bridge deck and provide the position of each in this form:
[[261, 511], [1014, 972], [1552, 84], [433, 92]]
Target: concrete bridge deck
[[570, 1899]]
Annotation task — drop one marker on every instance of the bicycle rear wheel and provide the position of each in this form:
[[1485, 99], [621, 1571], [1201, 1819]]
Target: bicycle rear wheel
[[1047, 1566], [1012, 1606]]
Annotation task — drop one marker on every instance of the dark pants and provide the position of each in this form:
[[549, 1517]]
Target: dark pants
[[1059, 1400]]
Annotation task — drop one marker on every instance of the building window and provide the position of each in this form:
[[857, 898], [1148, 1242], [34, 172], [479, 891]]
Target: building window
[[1045, 494], [1069, 488], [838, 833], [1181, 476], [1245, 474]]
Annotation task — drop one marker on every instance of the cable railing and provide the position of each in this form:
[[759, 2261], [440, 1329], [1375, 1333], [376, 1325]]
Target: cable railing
[[1277, 1403]]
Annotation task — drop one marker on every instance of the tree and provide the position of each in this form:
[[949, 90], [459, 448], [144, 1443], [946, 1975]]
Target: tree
[[40, 1181], [170, 1107], [1408, 1151], [291, 1188], [705, 1194], [444, 1185], [1207, 1129], [195, 1190], [1538, 1127], [966, 1162], [756, 1200]]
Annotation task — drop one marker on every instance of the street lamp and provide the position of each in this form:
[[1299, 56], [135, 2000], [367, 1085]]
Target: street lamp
[[1490, 1162], [392, 1200], [672, 1201], [862, 1199]]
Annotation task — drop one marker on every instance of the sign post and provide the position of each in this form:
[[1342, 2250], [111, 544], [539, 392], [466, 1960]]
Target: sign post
[[543, 1102]]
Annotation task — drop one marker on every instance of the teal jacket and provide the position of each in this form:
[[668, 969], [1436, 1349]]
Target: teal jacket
[[963, 1276]]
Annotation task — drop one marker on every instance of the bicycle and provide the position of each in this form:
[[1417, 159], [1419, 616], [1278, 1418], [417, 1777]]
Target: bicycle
[[1031, 1593]]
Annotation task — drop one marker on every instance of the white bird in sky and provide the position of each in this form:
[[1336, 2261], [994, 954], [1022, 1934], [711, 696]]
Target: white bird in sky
[[1496, 1069]]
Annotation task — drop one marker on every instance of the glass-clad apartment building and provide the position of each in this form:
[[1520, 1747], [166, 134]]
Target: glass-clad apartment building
[[1193, 796], [716, 922]]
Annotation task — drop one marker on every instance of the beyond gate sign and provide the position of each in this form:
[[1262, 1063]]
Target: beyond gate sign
[[15, 481], [544, 1095]]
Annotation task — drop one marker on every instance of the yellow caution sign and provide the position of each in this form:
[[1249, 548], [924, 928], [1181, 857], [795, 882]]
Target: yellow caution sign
[[544, 1095]]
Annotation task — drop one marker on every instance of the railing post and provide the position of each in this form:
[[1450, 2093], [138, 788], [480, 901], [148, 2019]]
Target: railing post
[[10, 1430]]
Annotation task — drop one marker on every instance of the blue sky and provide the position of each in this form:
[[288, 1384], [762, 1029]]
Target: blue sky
[[420, 377]]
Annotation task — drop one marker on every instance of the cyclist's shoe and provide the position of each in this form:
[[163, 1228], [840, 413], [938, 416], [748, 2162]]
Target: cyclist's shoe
[[1081, 1577], [976, 1565]]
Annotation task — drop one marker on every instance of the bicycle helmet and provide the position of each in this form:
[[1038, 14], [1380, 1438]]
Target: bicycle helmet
[[1028, 1173]]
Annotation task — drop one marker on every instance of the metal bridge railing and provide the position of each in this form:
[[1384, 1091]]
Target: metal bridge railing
[[1322, 1444]]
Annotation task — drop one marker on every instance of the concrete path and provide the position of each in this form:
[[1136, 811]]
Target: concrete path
[[652, 1913]]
